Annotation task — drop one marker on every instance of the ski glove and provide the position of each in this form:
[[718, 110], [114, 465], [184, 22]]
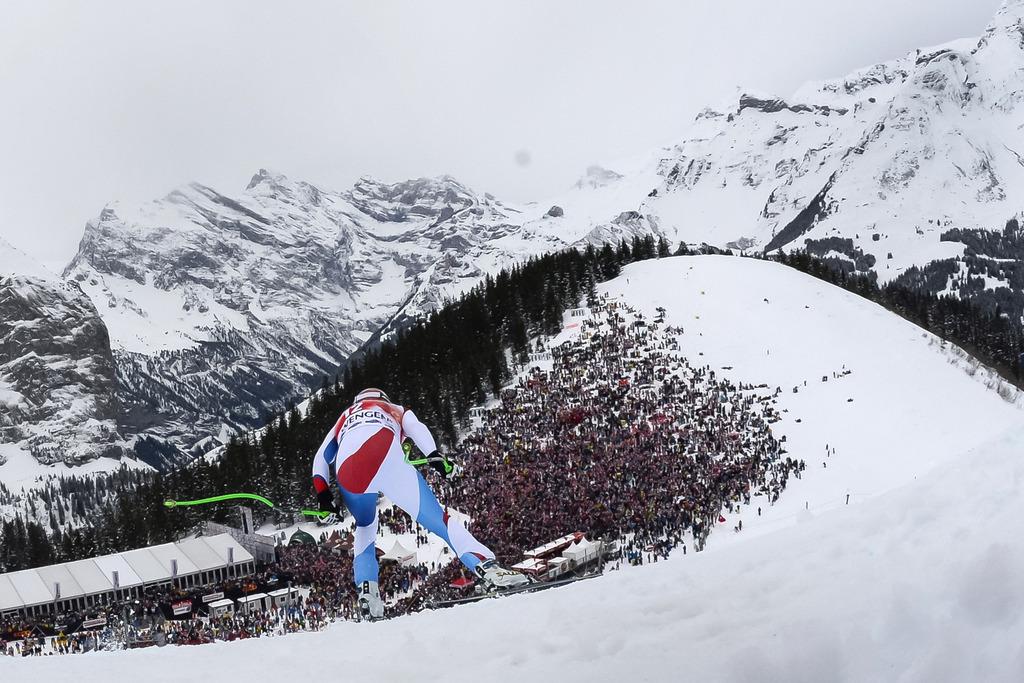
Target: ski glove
[[326, 500], [440, 464]]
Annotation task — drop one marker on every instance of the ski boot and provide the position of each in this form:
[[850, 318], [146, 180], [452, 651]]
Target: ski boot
[[371, 607], [496, 578]]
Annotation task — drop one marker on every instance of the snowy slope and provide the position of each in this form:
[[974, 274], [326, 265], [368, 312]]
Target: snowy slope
[[908, 403], [915, 580]]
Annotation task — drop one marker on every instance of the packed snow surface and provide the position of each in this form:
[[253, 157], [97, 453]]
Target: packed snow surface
[[917, 579]]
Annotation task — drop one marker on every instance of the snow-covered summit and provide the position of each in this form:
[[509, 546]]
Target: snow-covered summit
[[889, 157], [222, 307], [1009, 19], [597, 177]]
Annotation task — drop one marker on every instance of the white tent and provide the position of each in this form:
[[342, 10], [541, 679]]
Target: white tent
[[126, 576], [9, 598], [30, 587], [227, 547], [96, 577], [202, 555], [90, 577], [147, 567], [169, 553], [59, 576], [582, 552], [400, 554]]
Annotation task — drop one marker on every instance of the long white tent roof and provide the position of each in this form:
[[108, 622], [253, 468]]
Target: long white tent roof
[[59, 575], [31, 587], [200, 552], [90, 577], [9, 598], [126, 576]]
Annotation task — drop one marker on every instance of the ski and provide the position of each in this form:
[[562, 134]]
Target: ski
[[533, 587]]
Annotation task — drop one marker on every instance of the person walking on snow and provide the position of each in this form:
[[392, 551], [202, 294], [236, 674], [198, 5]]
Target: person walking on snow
[[364, 452]]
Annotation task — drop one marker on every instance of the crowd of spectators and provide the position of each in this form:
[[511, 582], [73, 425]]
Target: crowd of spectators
[[611, 432], [323, 572], [618, 435], [305, 615]]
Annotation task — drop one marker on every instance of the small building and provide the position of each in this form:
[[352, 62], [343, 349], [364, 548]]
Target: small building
[[558, 566], [220, 608], [284, 597], [257, 602], [531, 566]]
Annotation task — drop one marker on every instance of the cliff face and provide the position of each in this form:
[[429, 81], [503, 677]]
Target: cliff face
[[58, 387]]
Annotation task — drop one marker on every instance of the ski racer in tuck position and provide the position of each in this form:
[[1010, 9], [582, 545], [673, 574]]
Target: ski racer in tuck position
[[364, 452]]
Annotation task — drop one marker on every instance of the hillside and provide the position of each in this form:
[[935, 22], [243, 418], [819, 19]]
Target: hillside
[[913, 580]]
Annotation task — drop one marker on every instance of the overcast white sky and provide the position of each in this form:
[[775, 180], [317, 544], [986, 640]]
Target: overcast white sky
[[126, 100]]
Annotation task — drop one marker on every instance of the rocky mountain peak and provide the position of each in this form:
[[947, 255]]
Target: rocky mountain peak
[[263, 176], [597, 177], [270, 184], [431, 198], [1007, 23], [773, 105], [221, 307], [57, 375], [1010, 14]]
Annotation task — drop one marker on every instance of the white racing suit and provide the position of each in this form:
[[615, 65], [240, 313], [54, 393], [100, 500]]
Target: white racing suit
[[364, 451]]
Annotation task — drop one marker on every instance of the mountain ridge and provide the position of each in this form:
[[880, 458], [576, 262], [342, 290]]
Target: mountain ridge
[[221, 308]]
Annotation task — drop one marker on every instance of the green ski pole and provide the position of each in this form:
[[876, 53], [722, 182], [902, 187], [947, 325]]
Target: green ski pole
[[407, 447], [237, 496]]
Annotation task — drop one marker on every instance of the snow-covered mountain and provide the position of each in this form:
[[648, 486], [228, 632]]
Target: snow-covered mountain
[[223, 306], [885, 159], [890, 558], [58, 398]]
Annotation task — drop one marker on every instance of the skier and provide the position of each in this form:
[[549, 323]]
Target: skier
[[364, 452]]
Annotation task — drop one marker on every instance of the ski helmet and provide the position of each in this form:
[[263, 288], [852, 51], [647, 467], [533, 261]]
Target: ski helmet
[[371, 394]]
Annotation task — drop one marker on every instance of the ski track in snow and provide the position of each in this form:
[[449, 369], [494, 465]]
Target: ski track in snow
[[916, 580]]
